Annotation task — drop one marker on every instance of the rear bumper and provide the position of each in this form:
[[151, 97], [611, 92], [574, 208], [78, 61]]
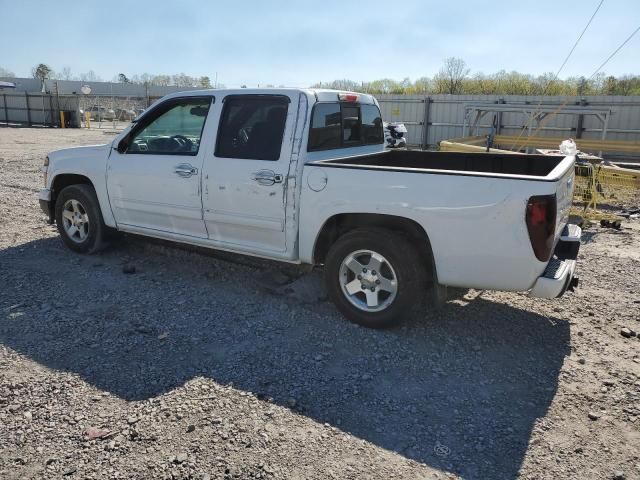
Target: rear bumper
[[559, 276], [45, 203]]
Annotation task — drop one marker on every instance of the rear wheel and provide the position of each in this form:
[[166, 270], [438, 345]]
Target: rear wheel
[[79, 219], [374, 276]]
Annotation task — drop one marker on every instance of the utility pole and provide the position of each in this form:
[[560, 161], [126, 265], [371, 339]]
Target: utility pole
[[58, 104]]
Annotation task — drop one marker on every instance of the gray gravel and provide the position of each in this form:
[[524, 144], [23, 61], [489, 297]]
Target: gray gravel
[[221, 366]]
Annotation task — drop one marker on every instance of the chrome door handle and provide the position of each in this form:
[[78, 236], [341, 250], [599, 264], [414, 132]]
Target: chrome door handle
[[185, 170], [267, 177]]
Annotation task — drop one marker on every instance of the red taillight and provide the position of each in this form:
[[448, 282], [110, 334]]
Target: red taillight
[[541, 224], [348, 97]]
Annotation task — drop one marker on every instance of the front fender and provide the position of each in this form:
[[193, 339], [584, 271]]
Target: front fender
[[89, 162]]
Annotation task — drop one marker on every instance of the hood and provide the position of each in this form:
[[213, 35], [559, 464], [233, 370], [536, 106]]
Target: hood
[[79, 152]]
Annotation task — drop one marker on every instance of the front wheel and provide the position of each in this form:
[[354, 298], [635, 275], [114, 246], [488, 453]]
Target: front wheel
[[79, 219], [374, 276]]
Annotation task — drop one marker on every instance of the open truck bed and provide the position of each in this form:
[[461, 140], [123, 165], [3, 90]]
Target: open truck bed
[[493, 220], [541, 167]]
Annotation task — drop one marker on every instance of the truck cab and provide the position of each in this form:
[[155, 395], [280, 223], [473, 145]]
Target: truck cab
[[219, 166]]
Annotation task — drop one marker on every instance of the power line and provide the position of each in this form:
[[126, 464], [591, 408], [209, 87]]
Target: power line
[[574, 46], [615, 51], [556, 111], [554, 78]]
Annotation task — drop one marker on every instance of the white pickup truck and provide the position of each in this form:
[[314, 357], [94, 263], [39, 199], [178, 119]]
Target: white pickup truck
[[302, 176]]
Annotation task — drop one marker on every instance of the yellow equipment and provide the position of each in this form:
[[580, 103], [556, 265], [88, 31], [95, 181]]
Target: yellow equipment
[[606, 186]]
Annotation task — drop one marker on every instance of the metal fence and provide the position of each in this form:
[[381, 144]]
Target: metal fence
[[31, 103], [28, 109], [43, 109], [430, 119]]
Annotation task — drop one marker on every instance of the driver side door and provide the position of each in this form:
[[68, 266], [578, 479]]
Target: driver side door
[[154, 175]]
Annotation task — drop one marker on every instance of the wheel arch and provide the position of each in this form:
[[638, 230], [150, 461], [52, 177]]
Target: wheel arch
[[63, 180], [339, 224]]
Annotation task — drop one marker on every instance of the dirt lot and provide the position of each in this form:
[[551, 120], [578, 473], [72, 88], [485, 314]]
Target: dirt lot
[[191, 368]]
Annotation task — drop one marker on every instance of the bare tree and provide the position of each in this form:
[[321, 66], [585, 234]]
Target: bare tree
[[610, 85], [90, 76], [625, 85], [451, 76], [183, 80], [582, 86], [160, 80], [422, 85], [65, 74]]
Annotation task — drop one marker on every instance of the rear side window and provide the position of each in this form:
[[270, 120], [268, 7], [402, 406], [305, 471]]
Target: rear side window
[[252, 127], [341, 125]]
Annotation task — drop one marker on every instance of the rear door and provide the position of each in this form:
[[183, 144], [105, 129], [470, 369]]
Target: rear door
[[154, 176], [245, 180]]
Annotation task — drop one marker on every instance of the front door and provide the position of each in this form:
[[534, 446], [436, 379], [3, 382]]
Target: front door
[[154, 175], [245, 180]]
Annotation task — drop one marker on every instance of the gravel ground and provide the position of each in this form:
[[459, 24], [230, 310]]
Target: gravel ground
[[197, 366]]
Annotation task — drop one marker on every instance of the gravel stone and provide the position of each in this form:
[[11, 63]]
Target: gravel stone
[[627, 333], [486, 387], [181, 458]]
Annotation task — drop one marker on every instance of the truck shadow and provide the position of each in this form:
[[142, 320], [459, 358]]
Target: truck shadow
[[459, 390]]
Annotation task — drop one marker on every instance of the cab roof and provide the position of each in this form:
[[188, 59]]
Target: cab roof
[[320, 94]]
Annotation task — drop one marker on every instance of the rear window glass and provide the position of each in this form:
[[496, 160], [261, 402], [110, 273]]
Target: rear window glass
[[252, 127], [372, 131], [336, 125], [351, 125]]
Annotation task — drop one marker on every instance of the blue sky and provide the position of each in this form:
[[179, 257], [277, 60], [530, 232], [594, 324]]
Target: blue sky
[[299, 43]]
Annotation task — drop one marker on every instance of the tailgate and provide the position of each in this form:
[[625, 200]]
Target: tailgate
[[564, 199]]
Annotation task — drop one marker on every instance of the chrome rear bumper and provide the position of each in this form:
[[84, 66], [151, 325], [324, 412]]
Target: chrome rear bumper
[[559, 276]]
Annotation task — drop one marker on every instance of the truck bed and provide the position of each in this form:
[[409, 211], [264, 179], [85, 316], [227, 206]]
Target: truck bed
[[471, 205], [487, 164]]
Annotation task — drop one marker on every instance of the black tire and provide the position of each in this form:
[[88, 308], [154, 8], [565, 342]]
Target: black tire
[[407, 265], [96, 229]]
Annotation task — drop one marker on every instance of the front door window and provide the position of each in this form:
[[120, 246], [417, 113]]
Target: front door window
[[175, 129]]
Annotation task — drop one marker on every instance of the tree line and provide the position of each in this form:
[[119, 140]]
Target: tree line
[[43, 72], [453, 78]]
